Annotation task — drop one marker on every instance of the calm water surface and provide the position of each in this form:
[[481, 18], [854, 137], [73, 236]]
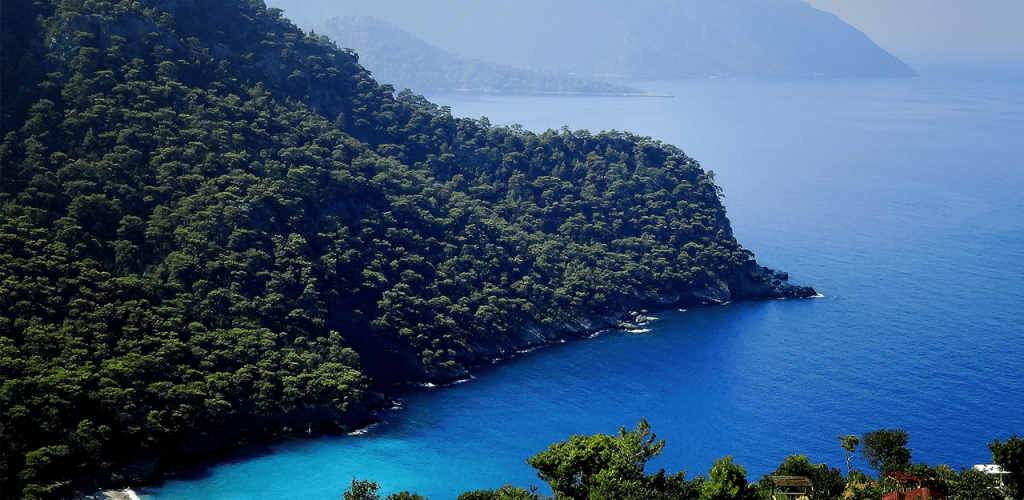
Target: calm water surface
[[898, 199]]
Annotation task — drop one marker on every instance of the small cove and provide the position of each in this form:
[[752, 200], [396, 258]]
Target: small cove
[[898, 199]]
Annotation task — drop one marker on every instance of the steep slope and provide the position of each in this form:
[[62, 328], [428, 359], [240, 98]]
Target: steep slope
[[215, 224], [644, 38], [401, 59]]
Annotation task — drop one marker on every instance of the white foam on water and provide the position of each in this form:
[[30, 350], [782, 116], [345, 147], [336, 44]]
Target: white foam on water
[[462, 381], [364, 430]]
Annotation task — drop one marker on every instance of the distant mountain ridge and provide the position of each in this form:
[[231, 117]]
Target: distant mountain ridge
[[397, 57], [645, 38]]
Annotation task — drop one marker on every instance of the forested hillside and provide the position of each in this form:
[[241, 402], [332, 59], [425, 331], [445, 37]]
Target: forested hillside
[[213, 223], [405, 61]]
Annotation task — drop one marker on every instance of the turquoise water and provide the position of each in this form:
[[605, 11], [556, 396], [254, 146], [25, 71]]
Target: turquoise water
[[898, 199]]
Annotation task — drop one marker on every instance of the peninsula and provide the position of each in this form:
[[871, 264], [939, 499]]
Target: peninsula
[[216, 224]]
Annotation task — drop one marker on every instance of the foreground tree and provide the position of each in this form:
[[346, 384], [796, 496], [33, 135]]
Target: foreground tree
[[849, 443], [1010, 456], [365, 489], [866, 491], [727, 481], [968, 484], [406, 495], [506, 492], [600, 466], [362, 490], [886, 450]]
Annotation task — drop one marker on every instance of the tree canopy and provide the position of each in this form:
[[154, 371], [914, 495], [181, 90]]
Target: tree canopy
[[886, 450], [599, 466], [1009, 456], [849, 444], [727, 481], [604, 466]]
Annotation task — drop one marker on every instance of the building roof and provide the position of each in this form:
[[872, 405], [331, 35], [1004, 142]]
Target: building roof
[[918, 493], [799, 481], [989, 469]]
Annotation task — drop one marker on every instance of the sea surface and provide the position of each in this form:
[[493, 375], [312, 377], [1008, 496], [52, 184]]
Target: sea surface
[[900, 200]]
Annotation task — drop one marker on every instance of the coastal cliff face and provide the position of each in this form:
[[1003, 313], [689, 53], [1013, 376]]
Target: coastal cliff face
[[215, 224], [750, 282]]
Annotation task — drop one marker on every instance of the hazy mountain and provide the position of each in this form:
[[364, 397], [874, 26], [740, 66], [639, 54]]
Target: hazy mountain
[[643, 38], [399, 58]]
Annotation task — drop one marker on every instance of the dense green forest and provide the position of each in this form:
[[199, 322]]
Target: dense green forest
[[399, 58], [214, 223]]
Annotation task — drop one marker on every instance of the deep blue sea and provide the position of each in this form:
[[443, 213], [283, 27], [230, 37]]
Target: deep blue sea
[[901, 200]]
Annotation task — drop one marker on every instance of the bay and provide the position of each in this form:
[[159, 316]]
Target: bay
[[898, 199]]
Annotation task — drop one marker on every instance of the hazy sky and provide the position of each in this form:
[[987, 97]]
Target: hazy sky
[[906, 27], [903, 27]]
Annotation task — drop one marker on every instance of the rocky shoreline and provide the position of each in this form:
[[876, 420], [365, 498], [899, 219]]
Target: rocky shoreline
[[750, 283], [125, 494]]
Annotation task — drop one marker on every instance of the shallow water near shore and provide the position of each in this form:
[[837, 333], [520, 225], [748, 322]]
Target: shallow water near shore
[[898, 199]]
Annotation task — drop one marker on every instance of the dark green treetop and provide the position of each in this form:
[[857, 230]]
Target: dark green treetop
[[599, 466], [886, 450], [505, 492], [727, 481]]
